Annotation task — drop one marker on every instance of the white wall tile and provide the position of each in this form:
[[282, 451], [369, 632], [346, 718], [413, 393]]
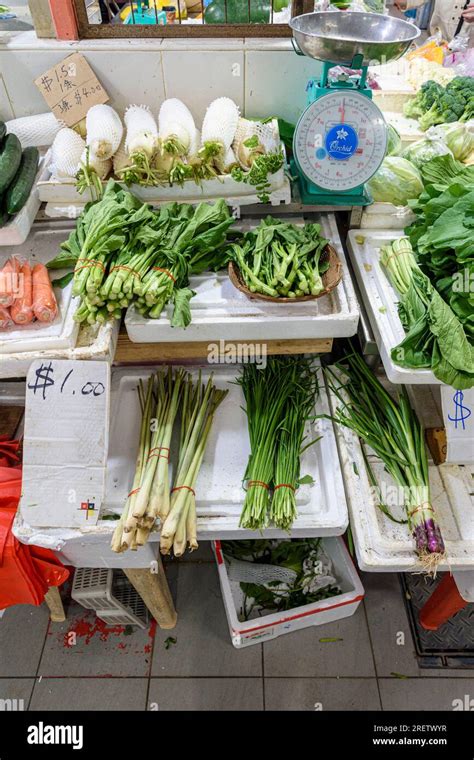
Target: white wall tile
[[198, 78], [275, 83], [136, 78]]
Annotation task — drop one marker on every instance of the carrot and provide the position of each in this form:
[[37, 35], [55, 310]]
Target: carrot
[[45, 306], [5, 319], [9, 281], [22, 310]]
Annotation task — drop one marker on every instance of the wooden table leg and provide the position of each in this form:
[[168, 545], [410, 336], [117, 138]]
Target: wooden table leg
[[154, 590], [55, 605]]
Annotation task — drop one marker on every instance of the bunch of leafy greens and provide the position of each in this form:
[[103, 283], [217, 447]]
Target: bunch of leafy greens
[[443, 234], [280, 259], [125, 252], [299, 555], [435, 338]]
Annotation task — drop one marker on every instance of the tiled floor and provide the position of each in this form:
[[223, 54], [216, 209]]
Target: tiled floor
[[83, 664]]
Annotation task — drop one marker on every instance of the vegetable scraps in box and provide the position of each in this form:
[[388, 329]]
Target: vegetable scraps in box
[[26, 295], [279, 575], [169, 151]]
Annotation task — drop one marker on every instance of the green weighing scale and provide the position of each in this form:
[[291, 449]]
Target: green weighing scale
[[340, 139]]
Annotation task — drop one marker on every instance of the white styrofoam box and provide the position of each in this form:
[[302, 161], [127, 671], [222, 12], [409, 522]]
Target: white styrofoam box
[[383, 545], [221, 311], [41, 246], [72, 209], [271, 625], [381, 300], [18, 228], [95, 342], [219, 491], [235, 193], [322, 507], [386, 216], [408, 129], [391, 98]]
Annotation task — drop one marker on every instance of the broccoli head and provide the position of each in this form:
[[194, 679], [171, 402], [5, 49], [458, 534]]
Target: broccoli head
[[422, 102]]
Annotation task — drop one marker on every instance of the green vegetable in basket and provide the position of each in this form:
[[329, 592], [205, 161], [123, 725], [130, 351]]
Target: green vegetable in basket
[[280, 259]]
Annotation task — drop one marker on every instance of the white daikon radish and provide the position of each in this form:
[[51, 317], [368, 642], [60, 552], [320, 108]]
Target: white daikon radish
[[247, 144], [226, 164], [121, 159], [176, 127], [91, 173], [218, 128], [101, 166], [142, 131], [104, 131], [35, 131], [66, 154]]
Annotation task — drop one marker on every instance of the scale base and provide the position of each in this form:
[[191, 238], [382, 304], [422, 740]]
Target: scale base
[[312, 195]]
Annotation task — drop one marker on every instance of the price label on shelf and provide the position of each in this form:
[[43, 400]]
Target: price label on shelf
[[66, 443], [458, 414], [70, 88]]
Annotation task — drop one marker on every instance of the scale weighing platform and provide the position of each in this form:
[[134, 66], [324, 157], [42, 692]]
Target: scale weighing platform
[[341, 138]]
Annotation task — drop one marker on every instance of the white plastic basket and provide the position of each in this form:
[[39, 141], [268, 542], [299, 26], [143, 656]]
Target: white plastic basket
[[110, 595], [276, 624]]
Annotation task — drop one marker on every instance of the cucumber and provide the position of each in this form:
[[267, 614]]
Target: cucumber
[[4, 216], [3, 131], [20, 188], [10, 157]]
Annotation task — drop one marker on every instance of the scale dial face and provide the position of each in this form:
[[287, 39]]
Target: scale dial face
[[340, 140]]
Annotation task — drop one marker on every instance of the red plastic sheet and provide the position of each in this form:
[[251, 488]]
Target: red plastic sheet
[[26, 572]]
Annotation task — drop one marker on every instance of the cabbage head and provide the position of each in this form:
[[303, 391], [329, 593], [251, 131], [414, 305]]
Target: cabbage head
[[396, 181]]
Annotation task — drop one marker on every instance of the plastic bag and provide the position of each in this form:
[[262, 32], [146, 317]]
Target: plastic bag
[[458, 136], [421, 151], [396, 181]]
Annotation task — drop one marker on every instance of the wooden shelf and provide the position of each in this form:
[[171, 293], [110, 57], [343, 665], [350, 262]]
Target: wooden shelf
[[140, 353]]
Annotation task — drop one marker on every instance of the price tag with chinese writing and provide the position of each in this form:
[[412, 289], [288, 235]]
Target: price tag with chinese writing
[[65, 443], [70, 88]]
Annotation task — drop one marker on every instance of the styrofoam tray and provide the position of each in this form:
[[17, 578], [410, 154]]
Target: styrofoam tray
[[381, 301], [221, 312], [383, 545], [18, 229], [219, 492], [269, 626], [41, 247], [408, 129], [322, 507], [95, 342]]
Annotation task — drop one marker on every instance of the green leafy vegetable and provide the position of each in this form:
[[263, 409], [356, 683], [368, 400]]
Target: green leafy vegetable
[[396, 181]]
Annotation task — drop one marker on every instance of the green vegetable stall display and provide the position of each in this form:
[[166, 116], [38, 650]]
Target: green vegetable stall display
[[435, 104]]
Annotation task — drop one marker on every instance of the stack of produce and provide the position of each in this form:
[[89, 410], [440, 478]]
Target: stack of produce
[[391, 429], [279, 401], [18, 170], [435, 104], [279, 259], [167, 395], [435, 337], [124, 252], [170, 151], [26, 294]]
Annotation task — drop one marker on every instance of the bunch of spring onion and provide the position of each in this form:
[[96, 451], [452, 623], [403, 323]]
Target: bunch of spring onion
[[392, 430], [278, 404], [167, 395], [279, 259]]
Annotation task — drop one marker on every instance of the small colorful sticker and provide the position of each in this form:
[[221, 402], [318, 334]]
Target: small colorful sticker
[[88, 507]]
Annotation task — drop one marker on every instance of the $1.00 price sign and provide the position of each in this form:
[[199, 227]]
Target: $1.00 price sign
[[66, 443], [458, 413]]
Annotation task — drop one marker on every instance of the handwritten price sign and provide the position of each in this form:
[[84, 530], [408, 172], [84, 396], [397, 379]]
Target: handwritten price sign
[[70, 88], [66, 443], [458, 408]]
